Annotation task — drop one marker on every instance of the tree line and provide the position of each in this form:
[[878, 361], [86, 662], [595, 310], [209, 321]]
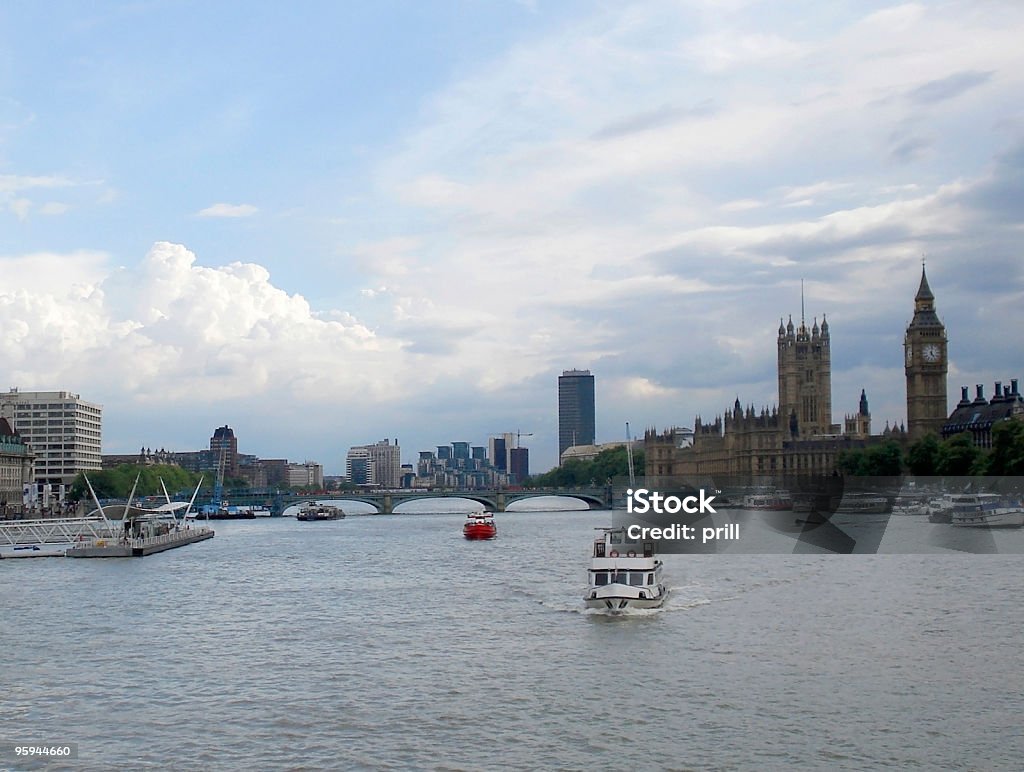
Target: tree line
[[954, 456], [575, 473]]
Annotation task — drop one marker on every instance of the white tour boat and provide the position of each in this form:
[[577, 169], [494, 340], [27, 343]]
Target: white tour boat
[[984, 510], [624, 574]]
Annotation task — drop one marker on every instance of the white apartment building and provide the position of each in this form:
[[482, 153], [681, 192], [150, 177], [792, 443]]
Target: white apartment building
[[62, 430], [377, 464]]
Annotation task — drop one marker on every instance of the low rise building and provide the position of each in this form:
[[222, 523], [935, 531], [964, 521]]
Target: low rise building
[[15, 471], [979, 416]]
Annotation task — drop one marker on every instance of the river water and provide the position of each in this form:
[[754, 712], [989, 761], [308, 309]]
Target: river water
[[390, 643]]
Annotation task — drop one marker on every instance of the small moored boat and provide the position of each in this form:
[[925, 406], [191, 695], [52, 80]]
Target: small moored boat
[[624, 574], [479, 525]]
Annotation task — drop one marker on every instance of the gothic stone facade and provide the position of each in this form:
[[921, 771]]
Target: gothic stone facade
[[797, 438]]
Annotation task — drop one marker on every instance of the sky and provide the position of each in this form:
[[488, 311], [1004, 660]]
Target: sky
[[325, 224]]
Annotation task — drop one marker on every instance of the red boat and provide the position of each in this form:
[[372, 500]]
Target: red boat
[[479, 525]]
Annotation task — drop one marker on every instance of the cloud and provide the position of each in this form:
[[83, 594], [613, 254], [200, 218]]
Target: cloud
[[948, 87], [228, 210], [589, 215], [634, 187], [653, 119], [16, 193], [168, 330], [53, 208]]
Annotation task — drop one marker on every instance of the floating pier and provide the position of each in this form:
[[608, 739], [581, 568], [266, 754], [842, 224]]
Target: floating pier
[[138, 547]]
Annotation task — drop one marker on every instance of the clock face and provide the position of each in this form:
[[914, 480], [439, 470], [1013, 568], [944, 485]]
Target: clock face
[[931, 353]]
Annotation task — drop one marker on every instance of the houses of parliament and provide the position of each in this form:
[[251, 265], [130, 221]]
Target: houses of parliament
[[797, 437]]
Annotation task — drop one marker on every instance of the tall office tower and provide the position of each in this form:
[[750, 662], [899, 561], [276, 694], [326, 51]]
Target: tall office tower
[[518, 464], [357, 466], [377, 464], [62, 430], [927, 362], [575, 409], [497, 452], [224, 445]]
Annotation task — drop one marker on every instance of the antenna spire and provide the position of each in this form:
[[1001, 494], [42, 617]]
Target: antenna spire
[[801, 302]]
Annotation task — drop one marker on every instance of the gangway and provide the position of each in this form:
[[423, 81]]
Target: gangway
[[22, 538]]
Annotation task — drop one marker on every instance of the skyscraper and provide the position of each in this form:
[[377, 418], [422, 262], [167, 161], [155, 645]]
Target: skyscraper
[[575, 409], [224, 449]]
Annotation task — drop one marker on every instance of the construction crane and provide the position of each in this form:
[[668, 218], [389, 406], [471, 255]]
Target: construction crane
[[517, 434]]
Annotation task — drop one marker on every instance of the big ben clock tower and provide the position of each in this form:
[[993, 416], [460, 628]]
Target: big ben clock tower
[[926, 365]]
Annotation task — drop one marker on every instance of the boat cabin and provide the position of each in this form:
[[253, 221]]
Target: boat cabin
[[599, 578], [614, 543]]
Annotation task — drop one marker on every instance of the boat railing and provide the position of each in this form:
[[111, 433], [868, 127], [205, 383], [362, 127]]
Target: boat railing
[[145, 541]]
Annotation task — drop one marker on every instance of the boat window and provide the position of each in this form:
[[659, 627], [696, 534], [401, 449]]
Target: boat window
[[650, 578], [621, 577], [599, 549], [615, 538], [600, 578], [636, 578]]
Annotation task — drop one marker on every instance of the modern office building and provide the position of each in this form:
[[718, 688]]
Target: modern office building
[[224, 445], [519, 465], [63, 431], [497, 450], [307, 475], [576, 419], [377, 464]]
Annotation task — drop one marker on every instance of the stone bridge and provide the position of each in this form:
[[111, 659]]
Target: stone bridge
[[495, 500]]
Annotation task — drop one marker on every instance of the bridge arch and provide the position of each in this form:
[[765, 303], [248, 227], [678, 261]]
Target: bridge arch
[[495, 500]]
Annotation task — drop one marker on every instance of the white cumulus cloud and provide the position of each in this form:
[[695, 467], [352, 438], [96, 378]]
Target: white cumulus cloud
[[228, 210]]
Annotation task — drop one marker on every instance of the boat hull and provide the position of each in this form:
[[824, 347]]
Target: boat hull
[[479, 531], [1009, 519], [617, 598]]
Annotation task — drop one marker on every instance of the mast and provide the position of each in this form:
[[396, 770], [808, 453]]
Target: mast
[[192, 501], [99, 506], [802, 303], [131, 496], [629, 456]]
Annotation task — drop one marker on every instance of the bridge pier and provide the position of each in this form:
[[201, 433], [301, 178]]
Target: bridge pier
[[387, 506]]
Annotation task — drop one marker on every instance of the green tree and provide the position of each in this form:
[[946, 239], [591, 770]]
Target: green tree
[[1007, 454], [958, 456], [923, 456], [117, 483], [884, 460], [609, 463]]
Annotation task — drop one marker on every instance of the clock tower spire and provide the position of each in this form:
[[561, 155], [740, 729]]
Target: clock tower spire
[[926, 365]]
